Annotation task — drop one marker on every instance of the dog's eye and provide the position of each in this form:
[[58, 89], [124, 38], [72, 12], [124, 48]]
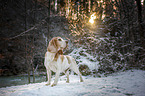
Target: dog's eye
[[59, 40]]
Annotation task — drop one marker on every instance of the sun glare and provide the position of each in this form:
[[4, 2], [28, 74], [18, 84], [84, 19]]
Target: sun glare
[[141, 2], [92, 18]]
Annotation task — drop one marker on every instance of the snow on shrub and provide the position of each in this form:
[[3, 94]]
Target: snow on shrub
[[84, 69]]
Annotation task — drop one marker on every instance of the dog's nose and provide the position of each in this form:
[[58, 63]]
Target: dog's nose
[[66, 42]]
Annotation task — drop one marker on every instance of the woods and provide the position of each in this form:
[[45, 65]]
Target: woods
[[116, 39]]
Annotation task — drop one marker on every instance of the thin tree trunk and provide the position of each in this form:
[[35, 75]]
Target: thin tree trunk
[[89, 6], [48, 25], [55, 6], [32, 56], [33, 72], [26, 51]]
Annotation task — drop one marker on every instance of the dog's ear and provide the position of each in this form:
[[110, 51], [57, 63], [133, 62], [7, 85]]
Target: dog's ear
[[53, 45]]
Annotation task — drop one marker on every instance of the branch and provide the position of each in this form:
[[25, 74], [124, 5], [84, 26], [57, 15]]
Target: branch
[[21, 34]]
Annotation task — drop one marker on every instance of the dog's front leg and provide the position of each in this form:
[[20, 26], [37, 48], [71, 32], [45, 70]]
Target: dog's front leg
[[48, 76], [67, 75], [56, 78]]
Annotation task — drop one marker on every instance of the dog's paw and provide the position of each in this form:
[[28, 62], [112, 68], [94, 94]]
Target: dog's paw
[[67, 81], [81, 80], [53, 85], [47, 84]]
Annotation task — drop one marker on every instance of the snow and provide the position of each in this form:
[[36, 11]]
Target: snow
[[83, 59], [127, 83]]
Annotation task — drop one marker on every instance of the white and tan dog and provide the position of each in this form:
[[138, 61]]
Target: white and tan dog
[[57, 62]]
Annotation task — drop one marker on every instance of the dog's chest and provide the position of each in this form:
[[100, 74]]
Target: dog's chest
[[59, 65], [53, 66]]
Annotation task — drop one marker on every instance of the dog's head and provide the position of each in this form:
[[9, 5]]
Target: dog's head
[[56, 44]]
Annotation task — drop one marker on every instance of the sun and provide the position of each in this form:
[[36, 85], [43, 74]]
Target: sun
[[92, 17]]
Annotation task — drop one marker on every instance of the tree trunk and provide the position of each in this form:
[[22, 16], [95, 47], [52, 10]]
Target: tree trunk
[[142, 31], [55, 6], [48, 23], [26, 46], [139, 11], [89, 6], [33, 72]]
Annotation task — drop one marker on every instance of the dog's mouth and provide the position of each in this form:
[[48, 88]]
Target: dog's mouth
[[65, 45]]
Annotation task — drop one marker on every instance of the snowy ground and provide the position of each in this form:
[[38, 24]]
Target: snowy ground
[[129, 83]]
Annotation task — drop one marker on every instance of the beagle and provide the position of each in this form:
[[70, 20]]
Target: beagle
[[57, 62]]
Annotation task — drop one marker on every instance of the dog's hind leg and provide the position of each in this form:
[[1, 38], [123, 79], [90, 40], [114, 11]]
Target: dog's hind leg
[[78, 72], [74, 67], [67, 75]]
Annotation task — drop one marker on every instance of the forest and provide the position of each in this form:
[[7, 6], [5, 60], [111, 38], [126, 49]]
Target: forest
[[105, 36]]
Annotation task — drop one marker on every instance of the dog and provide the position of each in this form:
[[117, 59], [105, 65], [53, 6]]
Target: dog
[[57, 62]]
